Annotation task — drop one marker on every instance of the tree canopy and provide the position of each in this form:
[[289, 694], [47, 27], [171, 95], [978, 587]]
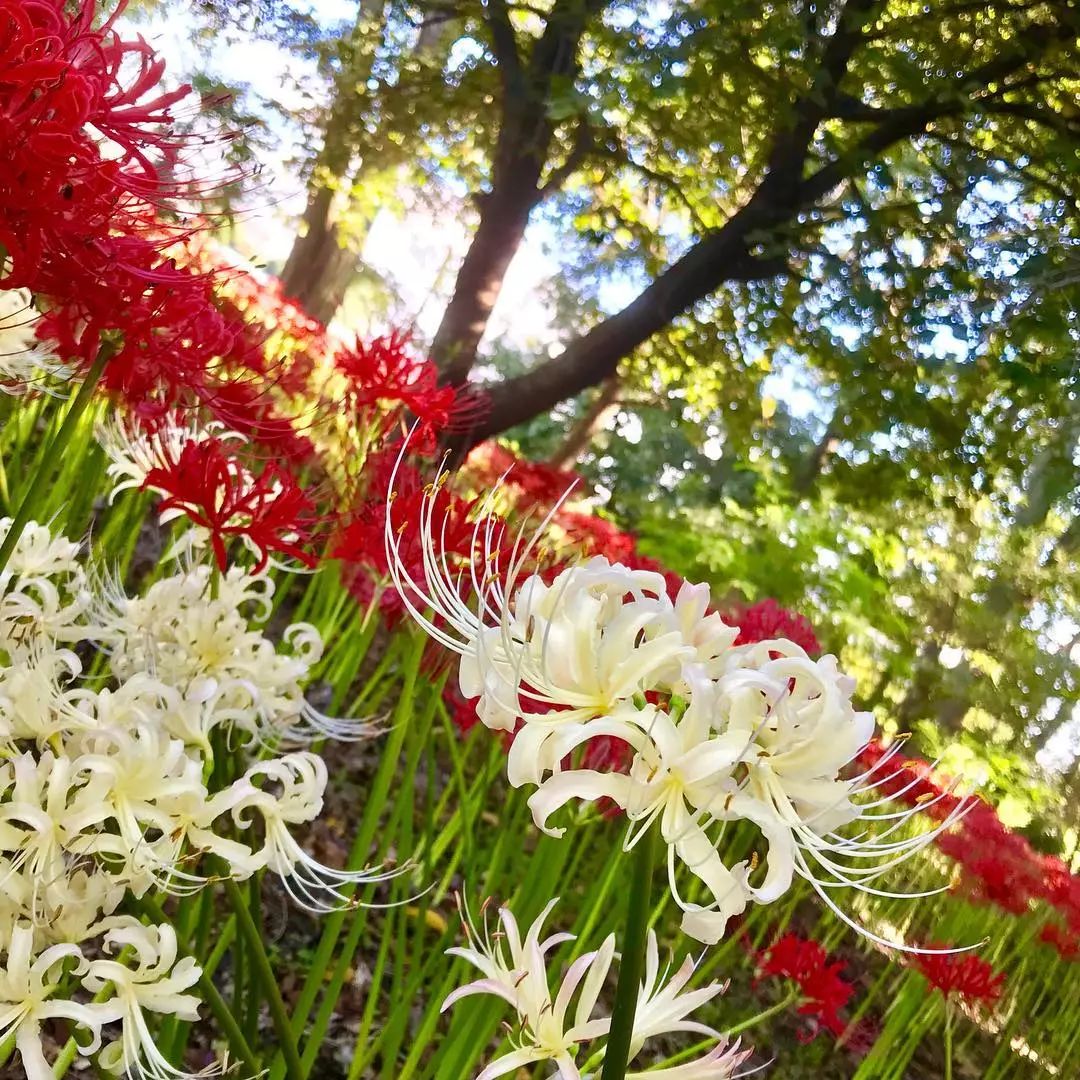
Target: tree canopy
[[816, 294]]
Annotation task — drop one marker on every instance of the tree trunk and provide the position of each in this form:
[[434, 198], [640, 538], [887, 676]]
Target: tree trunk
[[588, 425], [590, 359], [522, 153], [823, 450], [503, 219], [315, 259], [319, 266], [319, 271]]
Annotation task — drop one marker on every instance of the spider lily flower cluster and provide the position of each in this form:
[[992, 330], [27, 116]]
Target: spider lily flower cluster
[[106, 789], [719, 732], [560, 1027]]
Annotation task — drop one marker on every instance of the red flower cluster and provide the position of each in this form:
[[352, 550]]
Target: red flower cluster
[[806, 964], [269, 511], [78, 226], [767, 619], [361, 543], [386, 381], [248, 407], [967, 977], [534, 483], [64, 82], [1058, 937], [998, 865]]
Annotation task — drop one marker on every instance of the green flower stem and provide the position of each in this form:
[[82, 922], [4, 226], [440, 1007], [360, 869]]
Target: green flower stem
[[264, 973], [358, 854], [229, 1027], [761, 1017], [632, 960], [251, 1011], [313, 1042], [948, 1039], [39, 482], [211, 995]]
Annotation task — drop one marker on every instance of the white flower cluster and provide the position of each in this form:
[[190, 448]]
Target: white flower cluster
[[24, 361], [515, 969], [106, 786], [720, 733]]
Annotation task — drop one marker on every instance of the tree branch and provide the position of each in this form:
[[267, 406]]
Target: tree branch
[[504, 45], [579, 150]]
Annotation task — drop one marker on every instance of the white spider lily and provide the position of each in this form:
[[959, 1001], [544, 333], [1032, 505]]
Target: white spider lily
[[801, 731], [211, 651], [43, 591], [662, 1007], [134, 450], [300, 780], [719, 1063], [34, 699], [27, 985], [23, 359], [48, 813], [515, 969], [153, 981], [758, 733], [596, 636], [681, 781]]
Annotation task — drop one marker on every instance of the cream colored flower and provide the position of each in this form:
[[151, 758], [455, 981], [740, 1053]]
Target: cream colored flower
[[25, 362], [561, 1026]]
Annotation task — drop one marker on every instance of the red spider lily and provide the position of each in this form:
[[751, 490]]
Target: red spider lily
[[597, 536], [64, 82], [462, 710], [361, 543], [806, 963], [247, 408], [1062, 939], [767, 619], [269, 511], [998, 865], [961, 975], [533, 483], [383, 375], [168, 332], [859, 1038]]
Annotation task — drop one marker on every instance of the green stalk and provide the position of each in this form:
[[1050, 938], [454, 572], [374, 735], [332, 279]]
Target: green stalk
[[948, 1040], [761, 1017], [39, 482], [262, 970], [150, 908], [632, 960], [369, 823], [229, 1027]]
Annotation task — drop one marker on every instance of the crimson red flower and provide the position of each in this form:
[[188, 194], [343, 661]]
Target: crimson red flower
[[806, 963], [361, 543], [269, 510], [66, 79], [463, 714], [247, 407], [597, 536], [167, 332], [533, 483], [383, 375], [858, 1040], [1062, 939], [767, 619], [960, 974]]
